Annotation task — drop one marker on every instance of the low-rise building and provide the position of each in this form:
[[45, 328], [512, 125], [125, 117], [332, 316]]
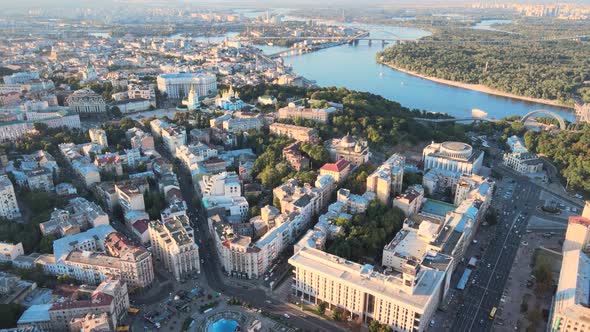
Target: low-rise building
[[295, 158], [525, 163], [411, 200], [78, 215], [140, 139], [338, 170], [297, 133], [132, 105], [9, 251], [292, 111]]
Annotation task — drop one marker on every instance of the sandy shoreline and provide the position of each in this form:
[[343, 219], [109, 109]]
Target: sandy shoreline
[[479, 88]]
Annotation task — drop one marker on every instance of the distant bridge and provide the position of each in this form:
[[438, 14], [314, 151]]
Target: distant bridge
[[365, 36], [530, 115], [456, 119]]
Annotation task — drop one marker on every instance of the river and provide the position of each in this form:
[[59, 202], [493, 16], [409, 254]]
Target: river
[[355, 67]]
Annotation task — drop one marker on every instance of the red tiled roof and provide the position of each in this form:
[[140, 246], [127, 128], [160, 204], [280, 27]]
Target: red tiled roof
[[579, 220], [338, 166]]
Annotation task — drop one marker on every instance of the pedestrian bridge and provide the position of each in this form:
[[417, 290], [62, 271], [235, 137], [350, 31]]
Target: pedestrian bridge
[[533, 114]]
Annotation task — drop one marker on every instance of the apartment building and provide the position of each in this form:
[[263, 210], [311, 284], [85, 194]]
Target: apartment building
[[190, 155], [173, 244], [173, 137], [8, 204], [293, 156], [110, 299], [87, 258], [241, 256], [222, 184], [98, 136], [387, 180], [130, 195], [79, 215], [140, 139], [411, 200]]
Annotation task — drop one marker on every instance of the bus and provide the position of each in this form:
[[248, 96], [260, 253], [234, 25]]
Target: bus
[[133, 311], [493, 313], [123, 328]]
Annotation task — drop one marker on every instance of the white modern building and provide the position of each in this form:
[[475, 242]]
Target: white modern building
[[177, 86], [570, 310]]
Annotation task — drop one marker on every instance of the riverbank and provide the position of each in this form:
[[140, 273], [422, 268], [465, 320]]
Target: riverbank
[[479, 88]]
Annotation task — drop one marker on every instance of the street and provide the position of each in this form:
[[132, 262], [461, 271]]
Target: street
[[489, 278]]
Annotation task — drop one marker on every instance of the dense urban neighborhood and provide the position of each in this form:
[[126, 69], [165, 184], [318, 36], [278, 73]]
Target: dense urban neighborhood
[[156, 176]]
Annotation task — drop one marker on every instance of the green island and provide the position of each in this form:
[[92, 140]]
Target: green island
[[521, 62]]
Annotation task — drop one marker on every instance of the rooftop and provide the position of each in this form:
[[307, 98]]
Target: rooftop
[[363, 277]]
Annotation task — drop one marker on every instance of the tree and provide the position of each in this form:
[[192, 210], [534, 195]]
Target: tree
[[115, 111], [46, 244], [337, 314], [321, 306], [10, 314], [544, 278]]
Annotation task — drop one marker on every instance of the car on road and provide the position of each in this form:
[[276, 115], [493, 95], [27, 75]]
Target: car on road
[[286, 316]]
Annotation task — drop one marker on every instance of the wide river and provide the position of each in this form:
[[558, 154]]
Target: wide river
[[355, 67]]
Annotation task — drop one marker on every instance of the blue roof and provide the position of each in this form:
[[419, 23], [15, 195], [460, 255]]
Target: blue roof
[[35, 313], [437, 208], [63, 246], [463, 281]]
